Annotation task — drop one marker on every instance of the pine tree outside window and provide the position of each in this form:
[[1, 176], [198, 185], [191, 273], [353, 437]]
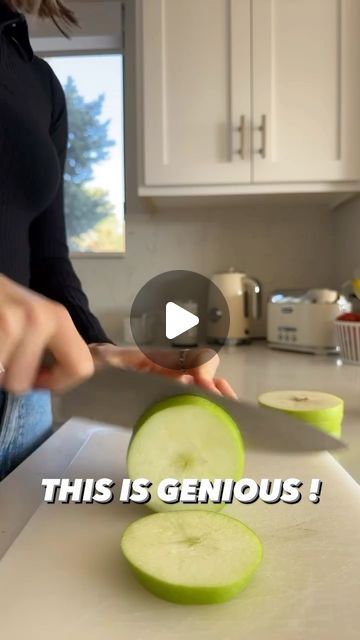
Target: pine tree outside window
[[94, 171]]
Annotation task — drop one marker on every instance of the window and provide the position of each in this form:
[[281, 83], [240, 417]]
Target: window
[[94, 172]]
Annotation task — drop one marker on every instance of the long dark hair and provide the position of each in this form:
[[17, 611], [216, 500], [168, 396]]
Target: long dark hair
[[56, 10]]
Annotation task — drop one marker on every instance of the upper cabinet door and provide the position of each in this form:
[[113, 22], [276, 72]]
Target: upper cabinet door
[[195, 62], [306, 87]]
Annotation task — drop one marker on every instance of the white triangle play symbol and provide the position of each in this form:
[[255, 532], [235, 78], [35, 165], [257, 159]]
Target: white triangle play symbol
[[178, 320]]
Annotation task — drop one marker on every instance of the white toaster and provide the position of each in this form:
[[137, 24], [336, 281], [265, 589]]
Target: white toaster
[[303, 320]]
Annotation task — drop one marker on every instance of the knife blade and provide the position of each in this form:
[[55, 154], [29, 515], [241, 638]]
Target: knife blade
[[119, 397]]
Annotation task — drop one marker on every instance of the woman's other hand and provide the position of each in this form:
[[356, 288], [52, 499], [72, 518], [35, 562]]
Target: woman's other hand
[[31, 325], [199, 368]]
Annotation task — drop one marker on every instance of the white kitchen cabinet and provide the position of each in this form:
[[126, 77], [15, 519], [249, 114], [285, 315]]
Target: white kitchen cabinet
[[306, 90], [248, 96], [196, 101]]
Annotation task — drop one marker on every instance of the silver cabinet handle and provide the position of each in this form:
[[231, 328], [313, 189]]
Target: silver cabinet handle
[[241, 130], [262, 129]]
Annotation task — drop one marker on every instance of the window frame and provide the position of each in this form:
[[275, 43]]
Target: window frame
[[52, 46]]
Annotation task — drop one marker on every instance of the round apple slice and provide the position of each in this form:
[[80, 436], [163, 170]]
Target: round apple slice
[[185, 437], [192, 557], [322, 410]]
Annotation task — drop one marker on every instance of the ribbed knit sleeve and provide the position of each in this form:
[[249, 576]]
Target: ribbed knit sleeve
[[51, 271]]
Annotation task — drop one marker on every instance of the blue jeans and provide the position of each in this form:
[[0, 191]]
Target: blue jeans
[[25, 423]]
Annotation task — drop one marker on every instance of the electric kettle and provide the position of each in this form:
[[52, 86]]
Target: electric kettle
[[243, 296]]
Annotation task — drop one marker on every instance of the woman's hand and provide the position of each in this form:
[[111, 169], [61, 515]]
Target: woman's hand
[[31, 325], [200, 366]]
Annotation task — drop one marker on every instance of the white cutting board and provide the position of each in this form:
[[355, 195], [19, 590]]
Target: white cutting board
[[64, 577]]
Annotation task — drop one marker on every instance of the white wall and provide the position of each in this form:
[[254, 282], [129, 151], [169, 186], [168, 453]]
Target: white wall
[[346, 232], [96, 17], [282, 247]]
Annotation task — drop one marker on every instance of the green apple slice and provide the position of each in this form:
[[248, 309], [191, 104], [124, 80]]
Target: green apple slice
[[322, 410], [192, 557], [185, 437]]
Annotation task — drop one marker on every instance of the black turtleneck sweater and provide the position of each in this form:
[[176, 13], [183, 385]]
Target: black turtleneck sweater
[[33, 142]]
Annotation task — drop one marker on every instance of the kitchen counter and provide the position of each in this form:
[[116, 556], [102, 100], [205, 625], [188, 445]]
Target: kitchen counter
[[254, 369], [251, 370], [45, 549], [64, 571]]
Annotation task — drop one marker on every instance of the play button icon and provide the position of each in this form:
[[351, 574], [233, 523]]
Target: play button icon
[[178, 320], [171, 314]]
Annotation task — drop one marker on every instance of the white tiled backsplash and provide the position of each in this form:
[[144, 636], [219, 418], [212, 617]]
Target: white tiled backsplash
[[282, 246], [347, 240]]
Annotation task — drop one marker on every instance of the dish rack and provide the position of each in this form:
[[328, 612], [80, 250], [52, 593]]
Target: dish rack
[[348, 334]]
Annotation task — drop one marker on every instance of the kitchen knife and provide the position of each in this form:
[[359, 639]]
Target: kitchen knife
[[120, 397]]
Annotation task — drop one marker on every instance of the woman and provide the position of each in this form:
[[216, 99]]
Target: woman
[[42, 305]]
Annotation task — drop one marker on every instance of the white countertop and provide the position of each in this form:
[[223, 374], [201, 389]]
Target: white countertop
[[251, 370], [307, 586], [254, 369], [66, 576]]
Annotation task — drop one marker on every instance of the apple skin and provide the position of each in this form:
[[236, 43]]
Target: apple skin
[[188, 399], [185, 594], [328, 420], [204, 403], [181, 594]]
